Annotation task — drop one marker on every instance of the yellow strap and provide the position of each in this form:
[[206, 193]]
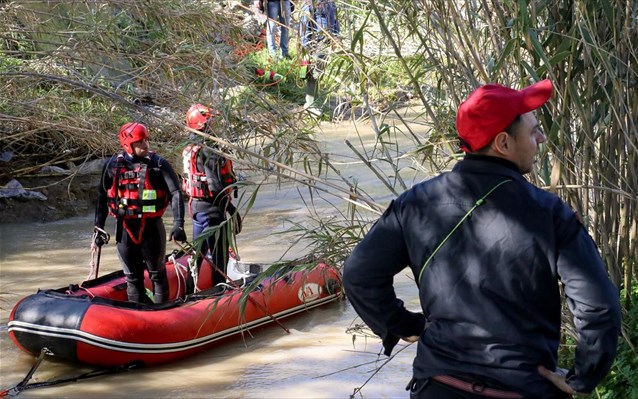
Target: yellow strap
[[478, 203]]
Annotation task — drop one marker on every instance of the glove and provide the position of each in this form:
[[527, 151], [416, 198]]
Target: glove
[[389, 343], [100, 237], [409, 324], [177, 234]]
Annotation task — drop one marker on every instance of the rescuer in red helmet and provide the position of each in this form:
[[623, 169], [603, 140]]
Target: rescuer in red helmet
[[137, 186], [209, 180]]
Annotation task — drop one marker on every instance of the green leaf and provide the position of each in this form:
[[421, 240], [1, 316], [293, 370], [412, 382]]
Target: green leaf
[[608, 10], [523, 14], [509, 46], [540, 51], [559, 57]]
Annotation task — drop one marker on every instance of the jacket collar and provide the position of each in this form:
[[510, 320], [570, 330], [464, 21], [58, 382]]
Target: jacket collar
[[485, 164], [134, 159]]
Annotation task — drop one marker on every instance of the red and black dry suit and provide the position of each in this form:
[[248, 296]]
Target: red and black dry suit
[[491, 293], [137, 191], [207, 179]]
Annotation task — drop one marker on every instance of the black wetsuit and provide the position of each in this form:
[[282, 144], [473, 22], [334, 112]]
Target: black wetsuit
[[150, 252]]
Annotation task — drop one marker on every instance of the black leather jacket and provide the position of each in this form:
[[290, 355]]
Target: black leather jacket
[[491, 293]]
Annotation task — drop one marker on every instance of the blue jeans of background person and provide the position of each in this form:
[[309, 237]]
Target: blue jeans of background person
[[307, 26], [217, 243], [326, 16], [278, 18], [317, 16]]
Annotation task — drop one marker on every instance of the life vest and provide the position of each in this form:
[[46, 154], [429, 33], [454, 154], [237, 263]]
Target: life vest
[[132, 196], [194, 180]]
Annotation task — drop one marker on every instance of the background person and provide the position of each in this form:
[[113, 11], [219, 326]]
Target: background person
[[136, 187], [317, 17], [278, 13], [208, 180], [488, 251]]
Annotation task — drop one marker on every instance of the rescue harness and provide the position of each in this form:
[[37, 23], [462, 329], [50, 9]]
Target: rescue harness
[[195, 182], [132, 195]]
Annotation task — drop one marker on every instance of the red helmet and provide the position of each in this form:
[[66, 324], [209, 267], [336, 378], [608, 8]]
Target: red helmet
[[197, 116], [130, 133]]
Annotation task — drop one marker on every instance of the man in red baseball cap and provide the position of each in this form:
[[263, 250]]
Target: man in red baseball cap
[[492, 112], [488, 250]]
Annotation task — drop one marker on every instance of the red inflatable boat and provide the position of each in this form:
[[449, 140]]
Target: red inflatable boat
[[93, 324]]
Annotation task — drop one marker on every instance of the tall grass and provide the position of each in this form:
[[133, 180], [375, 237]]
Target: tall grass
[[587, 49]]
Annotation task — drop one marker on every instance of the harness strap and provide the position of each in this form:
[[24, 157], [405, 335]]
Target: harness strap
[[140, 202], [128, 186], [478, 203], [201, 183], [119, 214], [136, 239], [142, 181], [131, 174]]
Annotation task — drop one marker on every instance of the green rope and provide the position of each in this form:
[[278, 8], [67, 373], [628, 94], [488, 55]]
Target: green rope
[[478, 203]]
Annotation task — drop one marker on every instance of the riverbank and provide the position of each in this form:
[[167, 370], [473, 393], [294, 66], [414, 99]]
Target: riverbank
[[66, 196]]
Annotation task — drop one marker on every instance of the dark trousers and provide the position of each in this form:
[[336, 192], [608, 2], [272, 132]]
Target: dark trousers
[[148, 254], [217, 242]]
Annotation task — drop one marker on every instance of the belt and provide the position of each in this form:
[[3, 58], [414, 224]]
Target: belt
[[477, 388]]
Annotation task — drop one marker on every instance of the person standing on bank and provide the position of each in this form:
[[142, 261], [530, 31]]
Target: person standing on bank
[[318, 17], [208, 179], [488, 250], [278, 13], [137, 186]]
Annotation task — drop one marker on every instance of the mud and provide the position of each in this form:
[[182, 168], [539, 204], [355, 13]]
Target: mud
[[67, 196]]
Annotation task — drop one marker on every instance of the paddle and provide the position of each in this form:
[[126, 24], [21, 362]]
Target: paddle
[[100, 237]]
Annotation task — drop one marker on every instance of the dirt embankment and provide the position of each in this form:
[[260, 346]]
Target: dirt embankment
[[65, 197]]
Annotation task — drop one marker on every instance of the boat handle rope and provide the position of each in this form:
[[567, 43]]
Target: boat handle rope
[[181, 277], [24, 384], [190, 247], [88, 291], [478, 203]]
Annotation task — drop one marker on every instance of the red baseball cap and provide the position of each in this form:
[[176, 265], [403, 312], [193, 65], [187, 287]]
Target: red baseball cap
[[492, 108]]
